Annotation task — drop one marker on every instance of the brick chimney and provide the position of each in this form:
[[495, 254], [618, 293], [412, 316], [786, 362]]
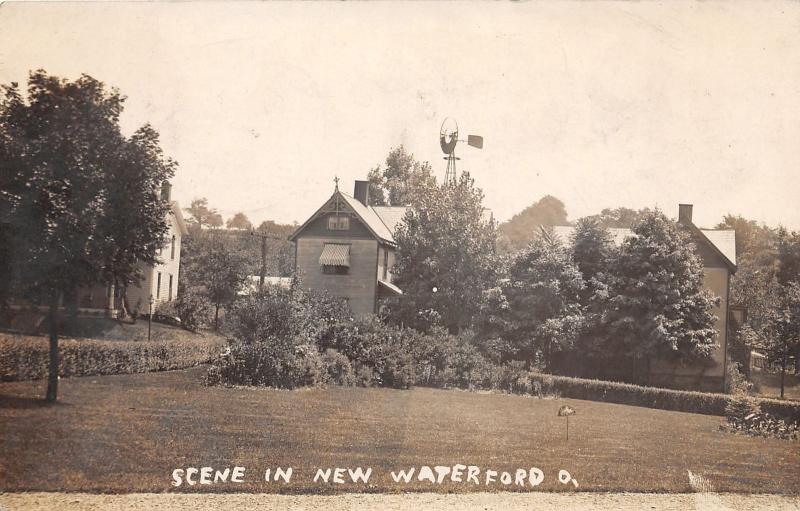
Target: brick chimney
[[166, 191], [684, 214], [361, 192]]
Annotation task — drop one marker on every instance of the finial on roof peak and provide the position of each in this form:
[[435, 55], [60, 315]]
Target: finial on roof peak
[[336, 181]]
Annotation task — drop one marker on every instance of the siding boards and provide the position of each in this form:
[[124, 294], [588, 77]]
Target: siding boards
[[358, 286]]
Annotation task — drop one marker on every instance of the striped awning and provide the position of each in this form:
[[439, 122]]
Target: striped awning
[[335, 255]]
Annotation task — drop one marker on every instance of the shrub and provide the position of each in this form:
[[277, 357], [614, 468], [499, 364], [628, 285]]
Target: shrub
[[652, 397], [744, 414], [193, 309], [26, 358], [338, 367], [735, 380]]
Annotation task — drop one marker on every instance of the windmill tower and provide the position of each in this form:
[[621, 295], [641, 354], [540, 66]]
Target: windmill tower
[[448, 139]]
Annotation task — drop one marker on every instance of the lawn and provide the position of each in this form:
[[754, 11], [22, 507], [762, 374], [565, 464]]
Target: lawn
[[127, 433]]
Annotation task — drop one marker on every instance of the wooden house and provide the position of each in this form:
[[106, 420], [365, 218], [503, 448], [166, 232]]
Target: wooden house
[[347, 248]]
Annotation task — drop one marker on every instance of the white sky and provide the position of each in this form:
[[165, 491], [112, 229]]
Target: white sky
[[600, 104]]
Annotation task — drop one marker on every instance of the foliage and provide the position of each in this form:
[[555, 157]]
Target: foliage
[[275, 336], [200, 214], [193, 308], [735, 379], [81, 202], [445, 255], [519, 231], [535, 305], [744, 414], [26, 358], [400, 180], [239, 221], [217, 270], [780, 339], [621, 217], [655, 304], [788, 257]]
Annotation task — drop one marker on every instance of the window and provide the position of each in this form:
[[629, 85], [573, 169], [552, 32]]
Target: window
[[385, 263], [335, 269], [172, 256], [170, 282], [338, 223], [158, 285]]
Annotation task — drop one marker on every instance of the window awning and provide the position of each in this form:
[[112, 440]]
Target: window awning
[[391, 288], [335, 255]]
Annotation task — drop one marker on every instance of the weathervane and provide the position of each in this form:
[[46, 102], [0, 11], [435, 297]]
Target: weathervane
[[448, 138]]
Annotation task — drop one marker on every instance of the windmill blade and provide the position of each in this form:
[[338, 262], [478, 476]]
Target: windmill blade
[[475, 141]]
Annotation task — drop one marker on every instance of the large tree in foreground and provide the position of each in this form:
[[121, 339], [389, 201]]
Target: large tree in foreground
[[655, 305], [80, 202], [445, 255]]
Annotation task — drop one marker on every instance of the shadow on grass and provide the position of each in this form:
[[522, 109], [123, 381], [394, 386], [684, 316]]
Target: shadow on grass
[[23, 403]]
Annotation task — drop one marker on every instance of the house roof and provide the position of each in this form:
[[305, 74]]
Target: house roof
[[176, 210], [391, 216], [381, 221], [722, 240]]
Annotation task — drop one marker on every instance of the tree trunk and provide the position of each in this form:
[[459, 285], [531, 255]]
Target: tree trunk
[[783, 373], [52, 375], [216, 318]]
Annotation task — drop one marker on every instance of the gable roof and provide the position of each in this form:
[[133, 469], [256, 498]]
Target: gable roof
[[368, 215], [391, 216], [723, 241]]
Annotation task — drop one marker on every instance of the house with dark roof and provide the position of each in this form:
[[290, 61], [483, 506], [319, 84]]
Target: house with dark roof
[[717, 248], [347, 248]]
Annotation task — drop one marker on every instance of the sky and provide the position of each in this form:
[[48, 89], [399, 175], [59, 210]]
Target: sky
[[635, 104]]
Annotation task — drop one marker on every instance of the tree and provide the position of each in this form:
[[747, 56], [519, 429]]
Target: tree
[[654, 302], [218, 270], [621, 217], [781, 341], [400, 180], [239, 221], [535, 307], [81, 203], [445, 255], [592, 248], [200, 214], [788, 257], [517, 232]]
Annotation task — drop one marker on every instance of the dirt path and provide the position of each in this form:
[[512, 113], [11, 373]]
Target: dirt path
[[397, 502]]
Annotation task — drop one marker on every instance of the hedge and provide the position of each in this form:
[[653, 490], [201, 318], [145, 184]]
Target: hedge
[[26, 358], [652, 397]]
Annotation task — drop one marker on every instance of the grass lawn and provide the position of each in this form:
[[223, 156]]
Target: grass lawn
[[127, 433]]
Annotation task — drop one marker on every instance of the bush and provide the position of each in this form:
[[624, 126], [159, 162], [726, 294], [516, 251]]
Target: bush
[[338, 367], [26, 358], [744, 414], [193, 309], [735, 380], [167, 314], [652, 397]]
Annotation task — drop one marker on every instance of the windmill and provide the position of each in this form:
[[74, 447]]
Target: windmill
[[448, 139]]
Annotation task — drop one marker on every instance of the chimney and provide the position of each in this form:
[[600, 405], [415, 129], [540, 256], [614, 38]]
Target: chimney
[[684, 214], [166, 190], [361, 192]]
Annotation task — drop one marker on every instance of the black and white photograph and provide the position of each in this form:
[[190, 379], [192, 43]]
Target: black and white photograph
[[457, 255]]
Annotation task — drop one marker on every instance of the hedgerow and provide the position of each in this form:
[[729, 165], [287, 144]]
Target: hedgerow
[[26, 358]]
